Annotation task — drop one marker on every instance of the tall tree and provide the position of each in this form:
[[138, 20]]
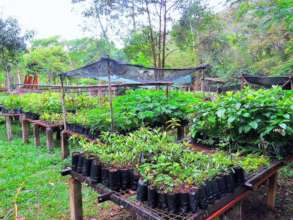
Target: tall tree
[[155, 16], [12, 43]]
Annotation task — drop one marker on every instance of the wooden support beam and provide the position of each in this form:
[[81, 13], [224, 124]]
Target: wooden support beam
[[25, 130], [49, 139], [75, 197], [8, 127], [272, 190], [36, 130], [64, 145]]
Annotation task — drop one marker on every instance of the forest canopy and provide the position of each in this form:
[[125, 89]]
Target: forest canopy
[[246, 36]]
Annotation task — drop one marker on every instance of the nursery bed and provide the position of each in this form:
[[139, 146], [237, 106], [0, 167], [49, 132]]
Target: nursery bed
[[49, 128], [128, 201]]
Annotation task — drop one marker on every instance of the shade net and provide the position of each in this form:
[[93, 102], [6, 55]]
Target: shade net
[[268, 81], [135, 73]]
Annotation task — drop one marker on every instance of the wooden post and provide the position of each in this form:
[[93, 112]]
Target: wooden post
[[63, 102], [49, 138], [110, 94], [8, 127], [25, 130], [37, 135], [75, 197], [272, 190], [64, 145]]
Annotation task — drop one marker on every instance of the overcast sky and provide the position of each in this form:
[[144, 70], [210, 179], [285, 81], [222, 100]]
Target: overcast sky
[[52, 17]]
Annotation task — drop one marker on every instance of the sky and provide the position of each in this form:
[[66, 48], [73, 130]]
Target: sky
[[53, 17]]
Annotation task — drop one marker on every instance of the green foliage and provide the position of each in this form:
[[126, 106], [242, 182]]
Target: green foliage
[[48, 61], [139, 107], [254, 120], [47, 103], [164, 164]]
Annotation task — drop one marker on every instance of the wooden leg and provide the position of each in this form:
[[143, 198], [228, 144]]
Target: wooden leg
[[49, 138], [272, 190], [8, 128], [75, 197], [37, 135], [64, 145], [25, 131]]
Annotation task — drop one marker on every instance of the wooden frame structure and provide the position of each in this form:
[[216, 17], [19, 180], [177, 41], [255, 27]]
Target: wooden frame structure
[[37, 126], [230, 204]]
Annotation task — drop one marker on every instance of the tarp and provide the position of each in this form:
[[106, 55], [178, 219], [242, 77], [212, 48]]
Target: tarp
[[138, 73], [268, 81]]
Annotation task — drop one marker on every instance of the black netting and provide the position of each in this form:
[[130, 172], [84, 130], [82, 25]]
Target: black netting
[[137, 73], [268, 81]]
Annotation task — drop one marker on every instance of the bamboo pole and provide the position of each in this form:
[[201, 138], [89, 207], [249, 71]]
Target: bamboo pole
[[110, 94], [63, 102]]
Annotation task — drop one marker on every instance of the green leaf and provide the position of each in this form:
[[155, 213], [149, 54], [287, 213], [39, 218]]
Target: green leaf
[[220, 113], [253, 124], [283, 125]]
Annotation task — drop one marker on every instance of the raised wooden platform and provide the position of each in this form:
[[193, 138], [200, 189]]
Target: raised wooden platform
[[229, 205]]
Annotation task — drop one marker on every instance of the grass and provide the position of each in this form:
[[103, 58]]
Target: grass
[[31, 185]]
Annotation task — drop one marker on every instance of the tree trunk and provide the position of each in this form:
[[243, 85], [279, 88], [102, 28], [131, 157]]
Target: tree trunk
[[152, 39], [8, 81], [164, 35], [133, 16]]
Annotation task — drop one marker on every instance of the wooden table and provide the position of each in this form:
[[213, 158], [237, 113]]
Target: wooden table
[[49, 128], [229, 205]]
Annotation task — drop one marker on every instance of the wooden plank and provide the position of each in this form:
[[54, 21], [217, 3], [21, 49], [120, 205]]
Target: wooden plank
[[75, 197], [272, 190], [49, 138], [64, 145], [37, 135], [8, 127], [25, 130]]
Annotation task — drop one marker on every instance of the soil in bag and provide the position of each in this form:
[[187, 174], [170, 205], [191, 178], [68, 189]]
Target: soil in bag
[[80, 163], [215, 189], [114, 179], [74, 160], [134, 180], [209, 192], [172, 201], [86, 170], [152, 197], [142, 191], [202, 198], [162, 200], [184, 202], [125, 175], [193, 200], [105, 176], [221, 184], [229, 181], [239, 175], [96, 171]]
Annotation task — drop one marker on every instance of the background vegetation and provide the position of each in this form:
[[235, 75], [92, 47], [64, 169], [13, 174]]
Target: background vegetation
[[247, 36]]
